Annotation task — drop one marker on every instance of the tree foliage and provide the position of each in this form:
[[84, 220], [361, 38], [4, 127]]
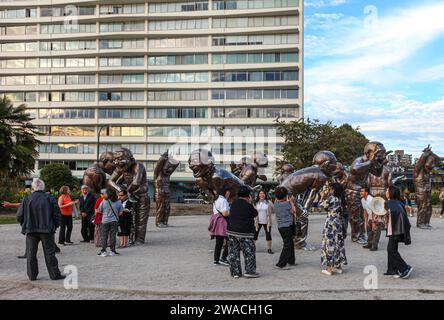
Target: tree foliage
[[18, 142], [303, 138], [56, 175]]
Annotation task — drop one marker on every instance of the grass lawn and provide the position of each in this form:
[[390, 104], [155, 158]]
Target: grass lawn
[[6, 219]]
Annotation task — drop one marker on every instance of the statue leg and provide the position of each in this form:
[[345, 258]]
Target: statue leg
[[300, 240], [159, 209], [143, 208], [429, 208], [420, 201], [134, 219], [355, 214], [167, 208]]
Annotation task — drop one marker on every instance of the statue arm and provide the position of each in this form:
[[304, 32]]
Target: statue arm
[[137, 178], [115, 177], [159, 166]]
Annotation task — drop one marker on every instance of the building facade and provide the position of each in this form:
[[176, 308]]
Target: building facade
[[153, 76]]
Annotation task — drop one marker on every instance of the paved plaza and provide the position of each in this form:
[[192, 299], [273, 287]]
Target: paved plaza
[[176, 263]]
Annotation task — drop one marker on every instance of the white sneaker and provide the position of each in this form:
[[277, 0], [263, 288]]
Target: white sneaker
[[102, 254], [339, 271], [111, 254], [325, 271]]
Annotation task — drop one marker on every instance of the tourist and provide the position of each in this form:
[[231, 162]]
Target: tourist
[[240, 231], [86, 204], [398, 230], [374, 223], [39, 217], [285, 217], [218, 227], [65, 203], [333, 248], [408, 204], [110, 208], [264, 208], [98, 222], [441, 198], [125, 219]]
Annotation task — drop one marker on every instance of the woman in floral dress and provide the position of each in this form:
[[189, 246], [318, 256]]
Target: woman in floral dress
[[333, 249]]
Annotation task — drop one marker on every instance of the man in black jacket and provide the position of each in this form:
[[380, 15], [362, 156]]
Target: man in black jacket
[[86, 203], [240, 231], [39, 216]]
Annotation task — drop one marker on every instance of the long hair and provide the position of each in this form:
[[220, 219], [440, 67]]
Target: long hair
[[64, 190], [256, 201], [394, 193]]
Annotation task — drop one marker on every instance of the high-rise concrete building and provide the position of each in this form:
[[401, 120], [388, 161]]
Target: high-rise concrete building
[[153, 75], [400, 158]]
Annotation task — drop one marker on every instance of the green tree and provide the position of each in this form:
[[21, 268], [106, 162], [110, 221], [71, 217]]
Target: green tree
[[18, 142], [56, 175], [303, 138]]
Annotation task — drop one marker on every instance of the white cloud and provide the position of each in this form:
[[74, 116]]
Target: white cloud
[[358, 81], [323, 3], [430, 74]]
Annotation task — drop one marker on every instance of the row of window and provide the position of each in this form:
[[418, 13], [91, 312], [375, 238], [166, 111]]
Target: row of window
[[235, 76], [184, 77], [18, 30], [140, 8], [56, 79], [253, 4], [165, 95], [166, 113], [192, 42], [250, 22], [160, 131], [188, 24], [220, 5]]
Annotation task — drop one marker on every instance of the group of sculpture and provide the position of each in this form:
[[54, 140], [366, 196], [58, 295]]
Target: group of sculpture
[[368, 170], [304, 185]]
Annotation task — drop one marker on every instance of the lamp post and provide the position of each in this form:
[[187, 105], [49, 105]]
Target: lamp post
[[98, 139]]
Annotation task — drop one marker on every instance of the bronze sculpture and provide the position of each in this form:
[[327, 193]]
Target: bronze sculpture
[[130, 175], [95, 176], [248, 169], [164, 169], [304, 186], [378, 185], [371, 162], [285, 171], [210, 179], [423, 187]]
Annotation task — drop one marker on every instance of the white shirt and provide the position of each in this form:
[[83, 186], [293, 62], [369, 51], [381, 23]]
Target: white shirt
[[262, 209], [367, 205], [221, 204]]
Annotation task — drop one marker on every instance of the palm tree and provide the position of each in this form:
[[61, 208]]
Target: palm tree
[[18, 142]]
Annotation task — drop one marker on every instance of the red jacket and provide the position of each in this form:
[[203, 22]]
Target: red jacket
[[97, 215]]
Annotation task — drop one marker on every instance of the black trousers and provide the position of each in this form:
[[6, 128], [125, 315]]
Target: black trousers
[[267, 232], [287, 254], [87, 229], [221, 242], [442, 207], [109, 231], [49, 247], [395, 263], [65, 229]]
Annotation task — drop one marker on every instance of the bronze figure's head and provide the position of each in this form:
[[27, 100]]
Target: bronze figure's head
[[201, 162], [375, 150], [339, 171], [123, 158], [326, 160], [260, 159], [106, 161], [287, 169]]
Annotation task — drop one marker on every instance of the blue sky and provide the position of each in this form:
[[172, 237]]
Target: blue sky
[[378, 65]]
